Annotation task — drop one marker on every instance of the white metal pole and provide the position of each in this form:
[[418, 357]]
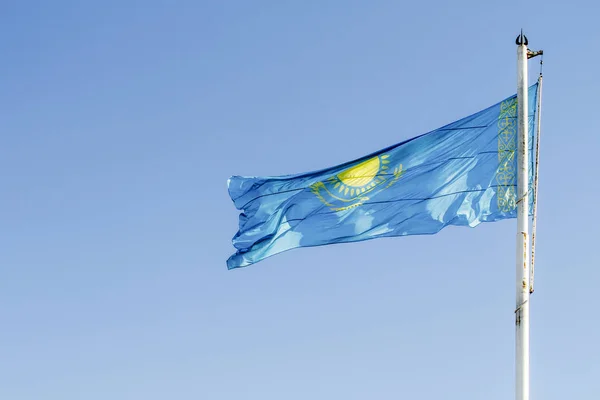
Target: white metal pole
[[522, 264]]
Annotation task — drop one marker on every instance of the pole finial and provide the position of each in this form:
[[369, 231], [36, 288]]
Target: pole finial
[[522, 39]]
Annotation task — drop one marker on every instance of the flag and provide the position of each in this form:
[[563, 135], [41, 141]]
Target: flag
[[461, 174]]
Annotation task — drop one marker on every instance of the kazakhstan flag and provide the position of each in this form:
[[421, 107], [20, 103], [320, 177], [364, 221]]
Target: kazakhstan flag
[[461, 174]]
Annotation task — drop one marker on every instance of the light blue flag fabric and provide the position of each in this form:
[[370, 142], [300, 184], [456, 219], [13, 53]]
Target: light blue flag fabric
[[461, 174]]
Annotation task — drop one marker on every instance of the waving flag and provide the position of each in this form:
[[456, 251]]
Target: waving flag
[[461, 174]]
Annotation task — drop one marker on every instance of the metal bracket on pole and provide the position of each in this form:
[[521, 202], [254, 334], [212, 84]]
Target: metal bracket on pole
[[531, 53]]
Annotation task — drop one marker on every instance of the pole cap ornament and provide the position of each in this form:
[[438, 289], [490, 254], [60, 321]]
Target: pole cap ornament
[[521, 40]]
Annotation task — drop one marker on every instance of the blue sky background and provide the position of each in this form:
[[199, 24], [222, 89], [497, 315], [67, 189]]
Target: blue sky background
[[120, 123]]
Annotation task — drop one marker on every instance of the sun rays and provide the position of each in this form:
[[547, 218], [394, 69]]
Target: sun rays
[[355, 185], [362, 177]]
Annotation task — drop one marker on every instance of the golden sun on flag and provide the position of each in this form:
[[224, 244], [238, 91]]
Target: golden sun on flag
[[349, 188]]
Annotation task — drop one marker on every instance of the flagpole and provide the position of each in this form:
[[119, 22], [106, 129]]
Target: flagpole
[[522, 254]]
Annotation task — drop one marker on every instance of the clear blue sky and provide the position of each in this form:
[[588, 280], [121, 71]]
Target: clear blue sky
[[120, 123]]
